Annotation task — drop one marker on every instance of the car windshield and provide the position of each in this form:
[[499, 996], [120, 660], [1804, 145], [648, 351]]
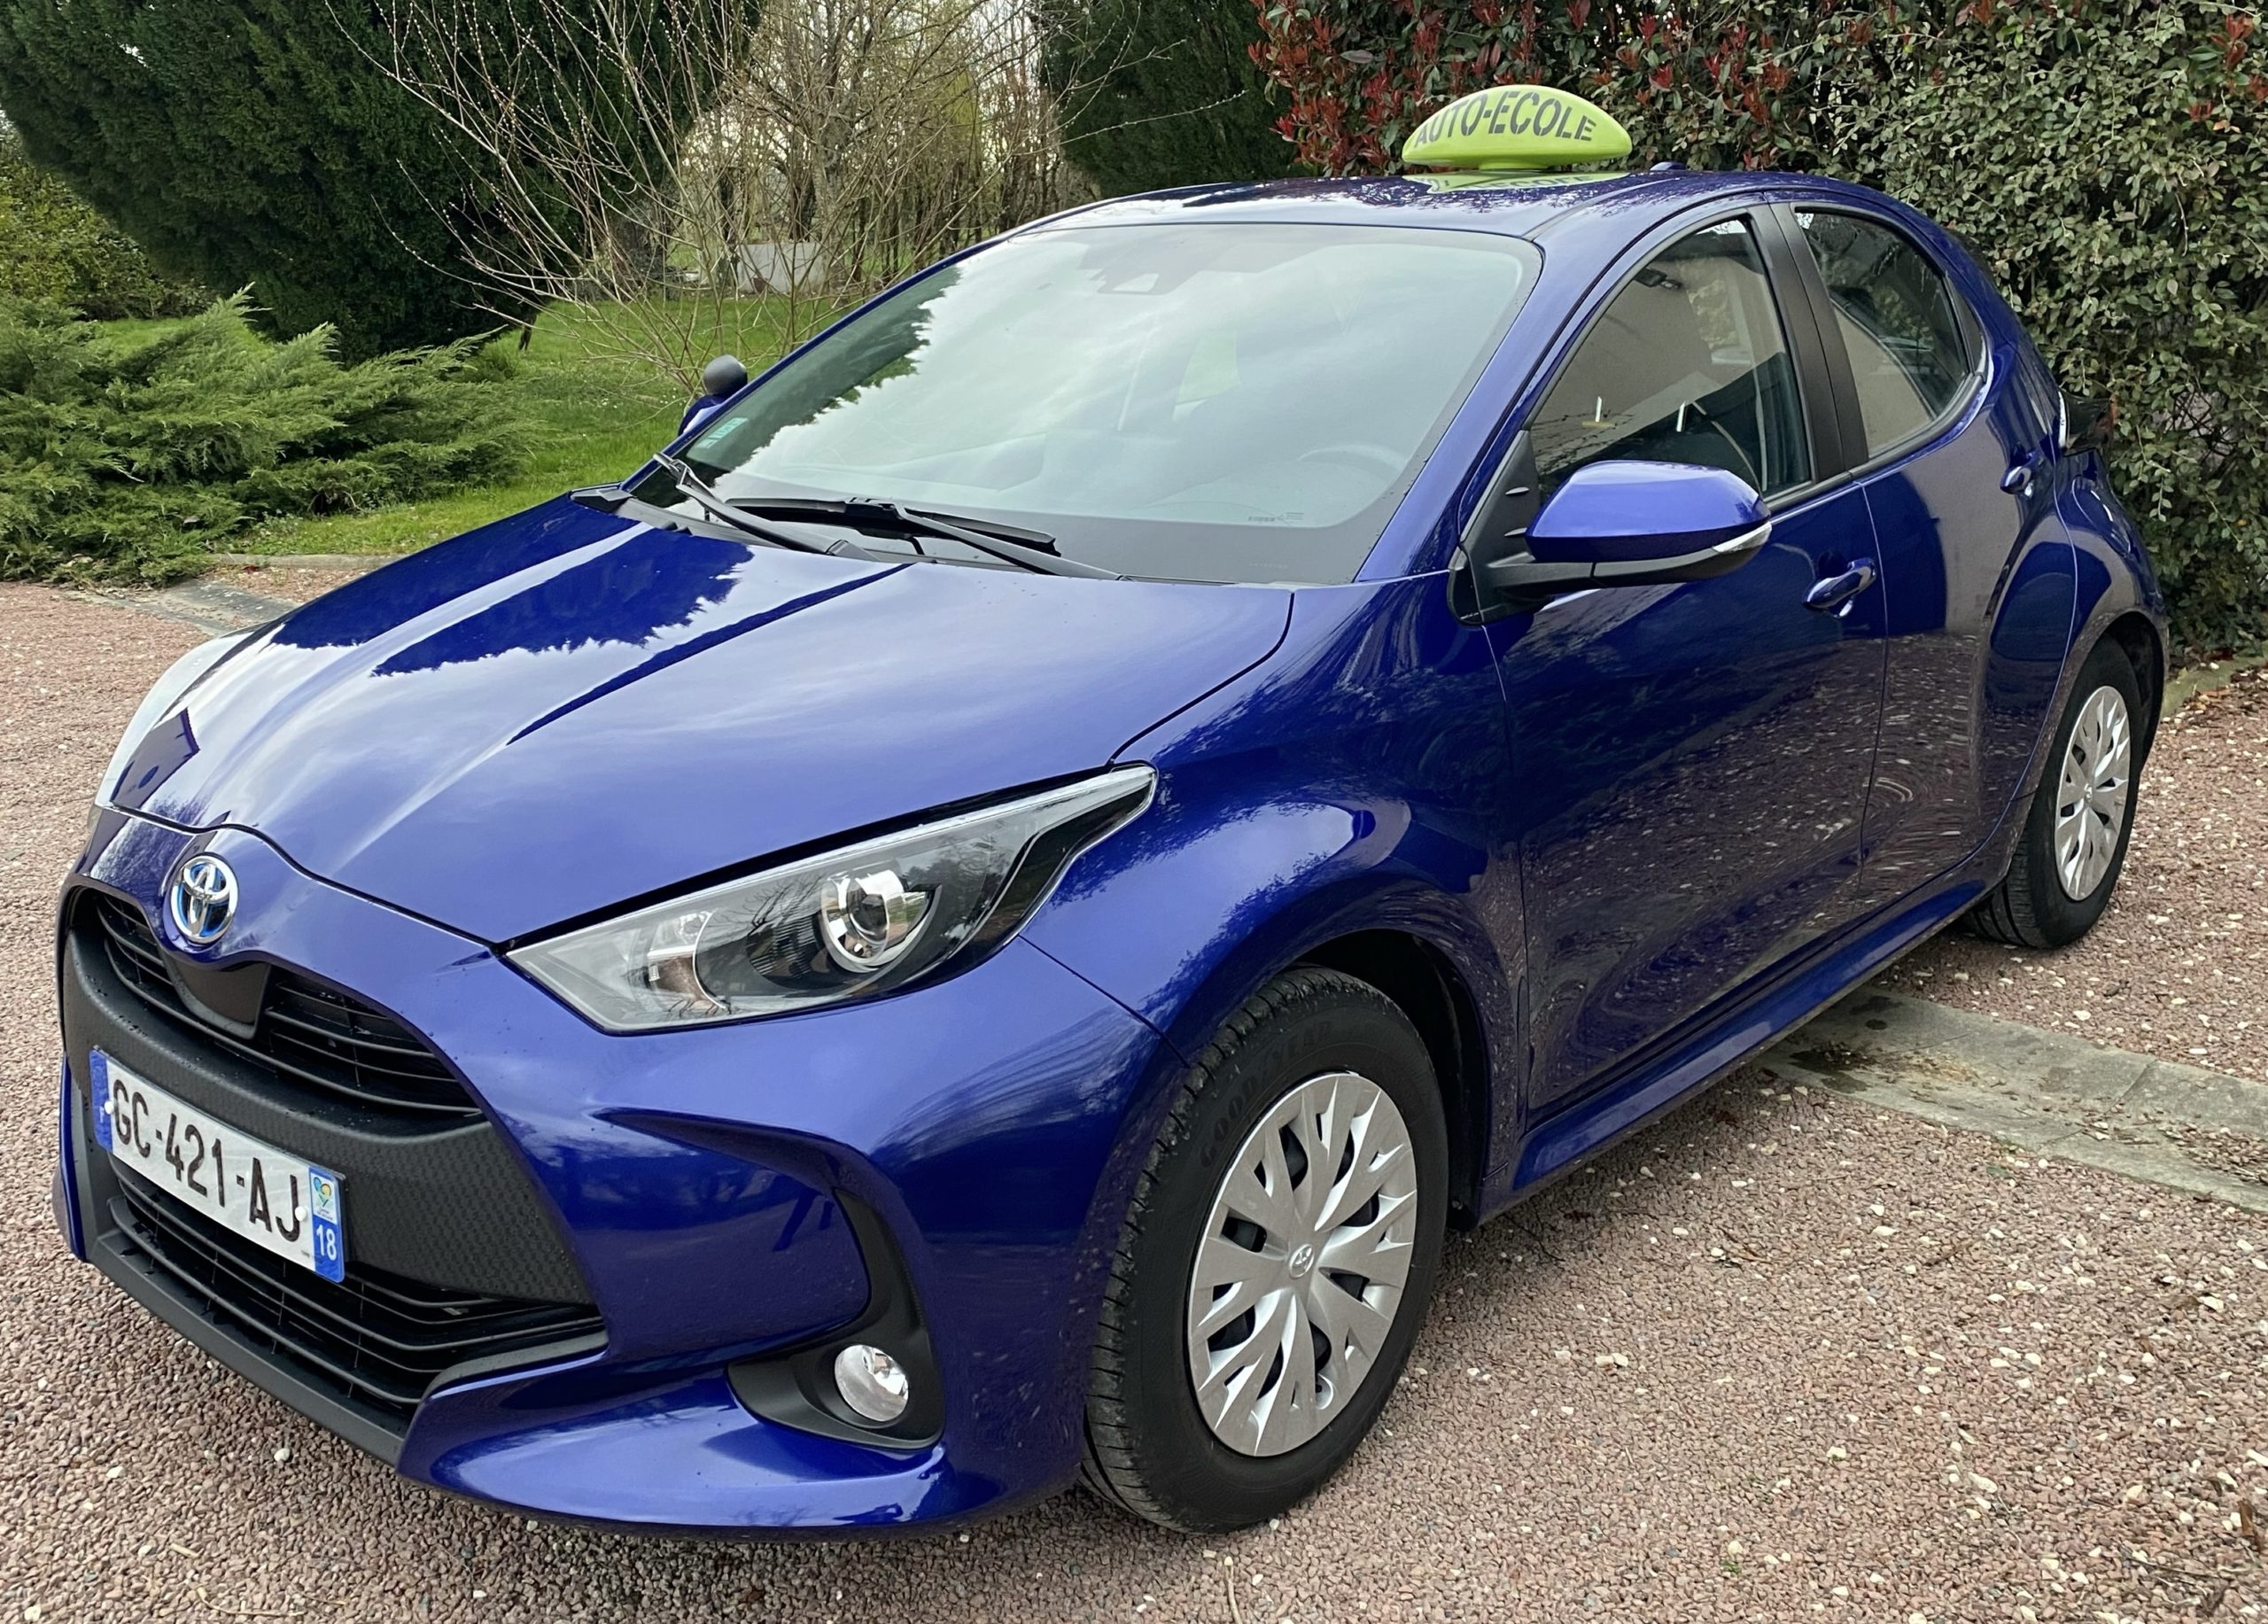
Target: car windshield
[[1222, 402]]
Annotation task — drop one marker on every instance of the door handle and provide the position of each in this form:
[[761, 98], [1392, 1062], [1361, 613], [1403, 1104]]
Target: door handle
[[1836, 591], [2017, 480]]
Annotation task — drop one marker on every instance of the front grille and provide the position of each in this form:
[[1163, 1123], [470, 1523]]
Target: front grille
[[375, 1339], [307, 1032]]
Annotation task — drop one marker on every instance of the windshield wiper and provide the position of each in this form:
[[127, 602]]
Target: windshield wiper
[[1028, 549], [732, 515], [719, 512]]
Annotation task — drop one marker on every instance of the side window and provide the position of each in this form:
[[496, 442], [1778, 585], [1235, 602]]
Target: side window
[[1688, 364], [1910, 353]]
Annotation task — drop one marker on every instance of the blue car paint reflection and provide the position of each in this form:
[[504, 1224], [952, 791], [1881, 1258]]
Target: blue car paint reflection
[[1630, 836]]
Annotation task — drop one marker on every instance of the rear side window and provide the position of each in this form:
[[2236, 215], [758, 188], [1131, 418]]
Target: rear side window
[[1688, 363], [1909, 353]]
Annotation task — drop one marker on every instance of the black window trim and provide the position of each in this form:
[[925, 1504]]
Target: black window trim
[[1754, 213], [1814, 374], [1783, 256], [1789, 278], [1855, 458]]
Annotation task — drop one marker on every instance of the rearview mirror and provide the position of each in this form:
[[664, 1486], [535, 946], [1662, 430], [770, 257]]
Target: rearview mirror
[[720, 380], [1619, 524], [2084, 424]]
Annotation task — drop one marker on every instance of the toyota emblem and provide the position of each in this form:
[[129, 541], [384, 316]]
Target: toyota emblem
[[202, 899]]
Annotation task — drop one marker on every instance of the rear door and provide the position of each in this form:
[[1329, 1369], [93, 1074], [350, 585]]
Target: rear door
[[1691, 761], [1952, 436]]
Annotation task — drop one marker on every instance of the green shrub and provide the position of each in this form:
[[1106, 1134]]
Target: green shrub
[[1157, 94], [55, 249], [2105, 159], [2118, 191], [273, 143], [127, 457]]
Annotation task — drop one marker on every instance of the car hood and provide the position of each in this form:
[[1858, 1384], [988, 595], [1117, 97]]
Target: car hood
[[561, 712]]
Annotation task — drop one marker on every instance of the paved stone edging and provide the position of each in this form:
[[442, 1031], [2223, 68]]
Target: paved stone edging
[[2051, 1093], [209, 606], [305, 561]]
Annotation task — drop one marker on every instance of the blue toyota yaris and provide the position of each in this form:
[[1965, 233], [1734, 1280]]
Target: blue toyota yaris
[[972, 926]]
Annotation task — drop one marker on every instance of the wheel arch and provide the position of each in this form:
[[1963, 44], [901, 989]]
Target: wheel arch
[[2138, 638], [1428, 988], [1183, 926]]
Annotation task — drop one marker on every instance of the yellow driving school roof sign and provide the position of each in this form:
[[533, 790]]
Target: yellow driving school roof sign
[[1515, 127]]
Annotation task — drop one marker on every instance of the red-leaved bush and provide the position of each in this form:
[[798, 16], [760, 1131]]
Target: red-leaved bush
[[1359, 74]]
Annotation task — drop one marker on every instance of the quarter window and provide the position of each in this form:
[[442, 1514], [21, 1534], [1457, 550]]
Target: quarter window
[[1909, 353], [1688, 363]]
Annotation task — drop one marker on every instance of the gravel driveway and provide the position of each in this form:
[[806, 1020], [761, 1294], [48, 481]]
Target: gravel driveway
[[2178, 967], [1782, 1357]]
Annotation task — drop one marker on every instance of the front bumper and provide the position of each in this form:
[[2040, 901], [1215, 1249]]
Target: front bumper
[[695, 1188]]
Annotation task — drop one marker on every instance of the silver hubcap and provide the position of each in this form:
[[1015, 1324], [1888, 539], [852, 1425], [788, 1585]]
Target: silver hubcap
[[1300, 1269], [2091, 799]]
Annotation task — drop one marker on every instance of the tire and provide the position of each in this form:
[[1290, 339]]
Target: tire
[[1150, 1446], [2035, 904]]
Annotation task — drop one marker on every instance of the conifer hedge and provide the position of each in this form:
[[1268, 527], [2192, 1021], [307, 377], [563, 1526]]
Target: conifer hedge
[[2105, 159], [128, 458], [266, 143], [1158, 93], [55, 249]]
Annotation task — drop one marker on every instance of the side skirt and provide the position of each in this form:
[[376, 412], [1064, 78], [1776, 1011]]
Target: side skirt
[[1565, 1140]]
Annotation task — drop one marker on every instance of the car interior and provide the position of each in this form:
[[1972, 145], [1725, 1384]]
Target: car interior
[[1688, 364]]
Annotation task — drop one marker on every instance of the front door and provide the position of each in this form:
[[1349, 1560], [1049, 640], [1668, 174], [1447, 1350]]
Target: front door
[[1691, 761]]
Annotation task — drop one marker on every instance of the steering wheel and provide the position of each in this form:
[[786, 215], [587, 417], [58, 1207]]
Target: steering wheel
[[1386, 462], [1755, 480]]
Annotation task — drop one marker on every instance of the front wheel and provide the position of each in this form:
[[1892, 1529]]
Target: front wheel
[[2073, 847], [1275, 1264]]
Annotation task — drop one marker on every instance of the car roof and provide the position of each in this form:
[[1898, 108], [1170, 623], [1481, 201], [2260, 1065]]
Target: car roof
[[1535, 207]]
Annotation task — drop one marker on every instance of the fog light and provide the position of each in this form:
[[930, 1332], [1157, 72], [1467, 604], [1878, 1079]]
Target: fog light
[[870, 1382]]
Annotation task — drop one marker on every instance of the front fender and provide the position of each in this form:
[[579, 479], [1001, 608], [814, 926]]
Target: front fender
[[1355, 782], [1183, 931]]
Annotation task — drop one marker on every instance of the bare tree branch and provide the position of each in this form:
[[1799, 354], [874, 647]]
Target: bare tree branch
[[830, 149]]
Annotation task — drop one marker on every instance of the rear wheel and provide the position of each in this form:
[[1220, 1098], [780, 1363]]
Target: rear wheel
[[1276, 1262], [2073, 847]]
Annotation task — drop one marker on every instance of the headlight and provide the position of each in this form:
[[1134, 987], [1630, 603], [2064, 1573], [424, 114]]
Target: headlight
[[852, 924], [164, 695]]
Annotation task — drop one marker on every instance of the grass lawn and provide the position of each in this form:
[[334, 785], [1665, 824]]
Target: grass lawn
[[597, 415]]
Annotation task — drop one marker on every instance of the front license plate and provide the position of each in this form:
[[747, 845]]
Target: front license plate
[[250, 1188]]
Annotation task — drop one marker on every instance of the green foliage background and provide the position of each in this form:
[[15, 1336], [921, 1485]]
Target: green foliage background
[[53, 247], [2119, 194], [129, 456], [259, 143], [2104, 158], [250, 141], [1159, 93]]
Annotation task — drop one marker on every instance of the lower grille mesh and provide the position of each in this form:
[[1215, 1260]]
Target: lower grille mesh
[[375, 1339]]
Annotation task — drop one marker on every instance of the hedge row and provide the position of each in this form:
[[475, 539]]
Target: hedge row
[[2105, 158], [1156, 93]]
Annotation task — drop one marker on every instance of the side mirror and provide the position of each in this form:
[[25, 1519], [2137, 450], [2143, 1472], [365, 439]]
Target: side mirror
[[2084, 424], [1635, 525], [720, 380]]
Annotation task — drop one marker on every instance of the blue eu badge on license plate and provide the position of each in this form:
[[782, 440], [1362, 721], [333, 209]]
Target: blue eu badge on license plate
[[98, 1088], [322, 1217]]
